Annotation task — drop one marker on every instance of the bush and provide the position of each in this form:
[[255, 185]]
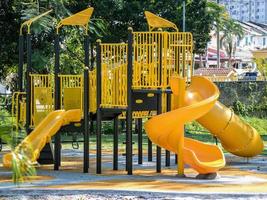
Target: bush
[[240, 108]]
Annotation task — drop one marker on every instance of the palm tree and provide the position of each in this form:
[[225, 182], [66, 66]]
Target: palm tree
[[232, 32]]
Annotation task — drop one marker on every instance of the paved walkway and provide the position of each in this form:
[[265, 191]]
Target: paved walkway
[[240, 179]]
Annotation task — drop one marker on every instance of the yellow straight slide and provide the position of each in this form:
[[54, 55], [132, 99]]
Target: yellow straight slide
[[36, 140], [166, 129]]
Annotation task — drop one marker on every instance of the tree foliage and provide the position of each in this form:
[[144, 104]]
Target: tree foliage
[[110, 21], [199, 23], [9, 30]]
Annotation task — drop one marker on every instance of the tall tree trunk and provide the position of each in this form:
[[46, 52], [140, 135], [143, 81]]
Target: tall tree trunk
[[193, 64], [207, 58], [200, 61], [229, 61]]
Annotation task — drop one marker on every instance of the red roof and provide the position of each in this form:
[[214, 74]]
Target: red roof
[[213, 53], [213, 71]]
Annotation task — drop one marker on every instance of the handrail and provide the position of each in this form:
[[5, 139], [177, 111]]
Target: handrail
[[15, 104], [29, 22]]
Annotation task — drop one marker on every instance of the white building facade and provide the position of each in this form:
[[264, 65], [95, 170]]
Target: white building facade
[[255, 38], [247, 10]]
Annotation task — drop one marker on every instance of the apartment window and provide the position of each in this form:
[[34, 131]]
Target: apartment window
[[264, 41], [246, 41], [257, 17]]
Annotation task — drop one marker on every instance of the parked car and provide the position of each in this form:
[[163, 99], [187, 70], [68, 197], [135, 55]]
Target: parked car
[[250, 76]]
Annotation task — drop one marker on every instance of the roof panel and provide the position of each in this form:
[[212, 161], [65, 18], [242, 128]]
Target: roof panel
[[155, 21]]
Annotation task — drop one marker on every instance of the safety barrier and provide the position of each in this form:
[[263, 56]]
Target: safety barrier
[[159, 55], [92, 91], [71, 92], [42, 101], [18, 110], [180, 54], [156, 57], [114, 75]]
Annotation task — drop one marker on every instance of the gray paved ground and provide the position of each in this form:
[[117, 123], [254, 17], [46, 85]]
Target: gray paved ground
[[101, 194], [26, 190]]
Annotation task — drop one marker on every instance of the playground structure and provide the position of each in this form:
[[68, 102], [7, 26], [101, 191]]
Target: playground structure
[[149, 75]]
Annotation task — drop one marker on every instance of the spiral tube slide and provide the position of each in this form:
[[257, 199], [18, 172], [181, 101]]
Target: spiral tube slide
[[236, 136], [166, 130]]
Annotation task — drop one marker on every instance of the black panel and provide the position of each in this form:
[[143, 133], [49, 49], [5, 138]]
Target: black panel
[[108, 113], [142, 101], [46, 155]]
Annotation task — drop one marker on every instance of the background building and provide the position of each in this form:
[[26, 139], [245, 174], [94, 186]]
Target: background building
[[247, 10], [255, 38]]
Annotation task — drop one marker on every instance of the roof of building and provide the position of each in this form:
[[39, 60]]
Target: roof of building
[[254, 28], [214, 71]]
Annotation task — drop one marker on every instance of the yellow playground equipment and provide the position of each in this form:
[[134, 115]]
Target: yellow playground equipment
[[49, 126], [150, 76]]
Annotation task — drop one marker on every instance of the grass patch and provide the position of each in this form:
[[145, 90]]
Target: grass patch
[[5, 126], [21, 165], [259, 124]]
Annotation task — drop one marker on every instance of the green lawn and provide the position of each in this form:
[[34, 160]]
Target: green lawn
[[193, 130], [259, 124]]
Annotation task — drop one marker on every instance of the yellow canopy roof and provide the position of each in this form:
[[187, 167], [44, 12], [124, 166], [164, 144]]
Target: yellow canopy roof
[[155, 21], [81, 18]]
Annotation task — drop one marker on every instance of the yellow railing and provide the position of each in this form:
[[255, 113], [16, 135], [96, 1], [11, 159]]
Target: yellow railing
[[22, 112], [180, 54], [159, 55], [71, 92], [92, 91], [114, 75], [18, 110], [156, 57], [42, 87]]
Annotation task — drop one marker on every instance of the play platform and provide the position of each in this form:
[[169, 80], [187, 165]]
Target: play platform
[[148, 78]]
